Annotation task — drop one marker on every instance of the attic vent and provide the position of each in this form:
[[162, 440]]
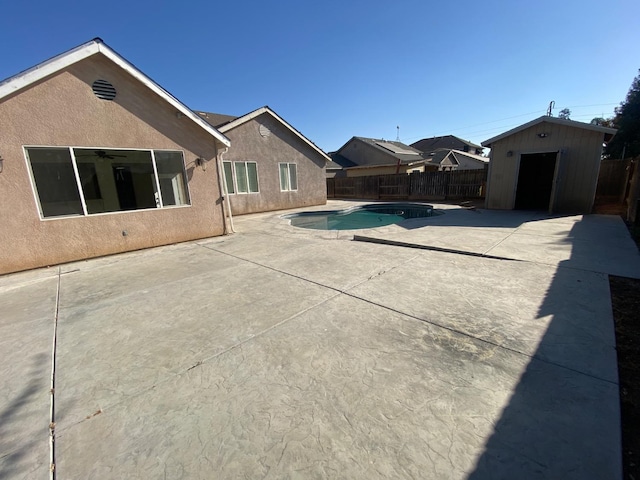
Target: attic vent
[[264, 131], [103, 90]]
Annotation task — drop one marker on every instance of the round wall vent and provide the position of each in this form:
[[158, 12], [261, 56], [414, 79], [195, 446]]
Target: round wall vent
[[103, 90], [264, 131]]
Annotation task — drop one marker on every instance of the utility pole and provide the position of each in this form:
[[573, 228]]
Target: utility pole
[[552, 104]]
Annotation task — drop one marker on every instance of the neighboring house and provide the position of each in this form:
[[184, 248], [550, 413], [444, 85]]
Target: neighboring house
[[449, 142], [548, 164], [271, 166], [336, 168], [99, 159], [449, 160], [372, 156]]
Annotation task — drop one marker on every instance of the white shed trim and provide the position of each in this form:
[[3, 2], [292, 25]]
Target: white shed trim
[[560, 121]]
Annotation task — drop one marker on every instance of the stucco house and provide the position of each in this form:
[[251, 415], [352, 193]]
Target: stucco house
[[548, 164], [97, 158], [362, 156], [271, 165]]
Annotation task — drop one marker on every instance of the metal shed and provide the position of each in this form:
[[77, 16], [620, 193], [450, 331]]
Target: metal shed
[[546, 164]]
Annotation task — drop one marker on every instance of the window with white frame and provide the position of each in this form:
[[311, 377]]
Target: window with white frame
[[288, 177], [228, 177], [85, 181], [246, 174]]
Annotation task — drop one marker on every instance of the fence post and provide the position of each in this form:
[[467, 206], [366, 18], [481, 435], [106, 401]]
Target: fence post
[[633, 199], [447, 175]]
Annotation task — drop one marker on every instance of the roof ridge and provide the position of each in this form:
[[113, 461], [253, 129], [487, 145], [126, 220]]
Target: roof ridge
[[266, 109], [558, 121], [42, 70]]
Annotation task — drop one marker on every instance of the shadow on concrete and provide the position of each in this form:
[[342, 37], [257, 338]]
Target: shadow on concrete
[[17, 445], [563, 418]]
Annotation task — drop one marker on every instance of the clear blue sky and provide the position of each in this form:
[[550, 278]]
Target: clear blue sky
[[335, 69]]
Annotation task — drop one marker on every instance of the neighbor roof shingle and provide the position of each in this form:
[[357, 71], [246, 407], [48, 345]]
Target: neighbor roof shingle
[[216, 119]]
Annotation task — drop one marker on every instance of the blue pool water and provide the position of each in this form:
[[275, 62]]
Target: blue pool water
[[364, 216]]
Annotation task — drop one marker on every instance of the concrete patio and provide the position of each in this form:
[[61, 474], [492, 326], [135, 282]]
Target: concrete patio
[[280, 352]]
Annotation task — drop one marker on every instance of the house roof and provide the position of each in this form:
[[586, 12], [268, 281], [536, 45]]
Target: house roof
[[266, 110], [216, 119], [96, 46], [331, 165], [395, 151], [446, 141], [338, 159], [608, 132], [422, 161], [455, 156]]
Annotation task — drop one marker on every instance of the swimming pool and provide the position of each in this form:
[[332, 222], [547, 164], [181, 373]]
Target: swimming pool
[[362, 216]]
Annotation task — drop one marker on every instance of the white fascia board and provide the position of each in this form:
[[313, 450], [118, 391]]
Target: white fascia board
[[182, 108], [472, 156], [46, 68], [64, 60], [241, 120], [559, 121], [419, 162], [256, 113]]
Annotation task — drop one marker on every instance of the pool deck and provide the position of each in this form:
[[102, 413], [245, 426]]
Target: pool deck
[[280, 352]]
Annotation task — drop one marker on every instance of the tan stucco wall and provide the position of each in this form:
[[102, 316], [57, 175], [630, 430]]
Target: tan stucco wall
[[63, 111], [361, 153], [580, 164], [281, 145]]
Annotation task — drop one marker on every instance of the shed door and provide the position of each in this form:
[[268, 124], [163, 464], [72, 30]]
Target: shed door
[[536, 181]]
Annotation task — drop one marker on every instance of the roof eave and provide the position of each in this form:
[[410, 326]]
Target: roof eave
[[559, 121], [48, 67], [256, 113], [31, 75]]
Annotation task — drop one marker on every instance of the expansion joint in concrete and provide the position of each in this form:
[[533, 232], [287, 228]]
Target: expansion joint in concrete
[[52, 417], [423, 320]]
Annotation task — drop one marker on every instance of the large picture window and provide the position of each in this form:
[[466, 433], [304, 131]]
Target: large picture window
[[83, 181], [288, 177]]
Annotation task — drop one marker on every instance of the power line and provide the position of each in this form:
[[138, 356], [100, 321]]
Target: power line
[[510, 126], [594, 105]]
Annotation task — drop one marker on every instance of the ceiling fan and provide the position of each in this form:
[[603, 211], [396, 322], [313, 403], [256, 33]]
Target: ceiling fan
[[102, 154]]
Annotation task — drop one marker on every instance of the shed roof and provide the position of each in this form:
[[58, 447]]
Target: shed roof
[[96, 46], [266, 110], [608, 132]]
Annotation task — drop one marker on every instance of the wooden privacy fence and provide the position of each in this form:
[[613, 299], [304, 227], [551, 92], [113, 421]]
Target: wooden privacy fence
[[619, 184], [613, 178], [469, 184]]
